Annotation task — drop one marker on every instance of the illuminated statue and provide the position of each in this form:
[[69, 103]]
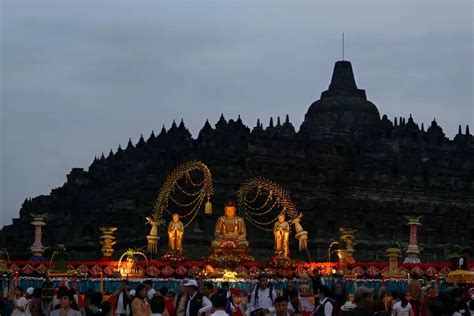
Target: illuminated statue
[[300, 234], [107, 241], [230, 230], [175, 234], [281, 231], [155, 220]]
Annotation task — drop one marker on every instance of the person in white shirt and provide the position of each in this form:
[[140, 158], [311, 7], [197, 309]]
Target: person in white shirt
[[325, 306], [402, 308], [197, 303], [122, 307], [19, 302], [262, 297], [470, 305], [150, 291], [219, 302], [29, 298]]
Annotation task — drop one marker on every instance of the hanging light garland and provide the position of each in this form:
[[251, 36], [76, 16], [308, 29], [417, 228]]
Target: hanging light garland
[[181, 192], [259, 197], [275, 197]]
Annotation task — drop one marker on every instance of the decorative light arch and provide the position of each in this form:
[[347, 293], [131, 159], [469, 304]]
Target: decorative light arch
[[193, 193], [260, 198]]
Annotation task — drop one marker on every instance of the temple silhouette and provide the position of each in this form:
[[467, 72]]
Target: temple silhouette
[[345, 166]]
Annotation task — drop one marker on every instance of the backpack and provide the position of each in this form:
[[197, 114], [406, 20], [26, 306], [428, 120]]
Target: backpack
[[256, 312], [336, 309], [270, 295]]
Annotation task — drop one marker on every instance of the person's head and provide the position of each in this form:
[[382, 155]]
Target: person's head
[[37, 293], [403, 299], [263, 312], [263, 281], [124, 284], [290, 284], [458, 294], [225, 286], [230, 209], [363, 297], [18, 291], [414, 289], [88, 296], [324, 292], [106, 307], [148, 284], [207, 289], [395, 295], [140, 291], [163, 291], [281, 217], [382, 291], [171, 294], [175, 218], [157, 304], [281, 305], [294, 297], [96, 299], [65, 297], [182, 288], [191, 287], [219, 302]]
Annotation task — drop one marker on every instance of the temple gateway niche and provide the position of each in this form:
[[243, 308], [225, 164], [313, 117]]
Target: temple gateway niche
[[345, 167]]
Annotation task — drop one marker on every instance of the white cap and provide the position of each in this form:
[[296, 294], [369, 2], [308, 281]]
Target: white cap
[[132, 292], [30, 290], [348, 306], [191, 283]]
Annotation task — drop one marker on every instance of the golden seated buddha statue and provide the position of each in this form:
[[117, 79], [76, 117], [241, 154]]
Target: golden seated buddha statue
[[230, 232]]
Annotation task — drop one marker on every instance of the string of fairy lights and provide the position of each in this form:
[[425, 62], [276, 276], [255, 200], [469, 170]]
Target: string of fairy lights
[[260, 200], [254, 190], [195, 193]]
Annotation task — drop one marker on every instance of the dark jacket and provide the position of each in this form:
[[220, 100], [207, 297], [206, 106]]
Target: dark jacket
[[195, 304]]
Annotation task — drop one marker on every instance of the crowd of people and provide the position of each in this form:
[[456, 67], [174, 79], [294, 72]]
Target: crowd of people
[[417, 301], [193, 299]]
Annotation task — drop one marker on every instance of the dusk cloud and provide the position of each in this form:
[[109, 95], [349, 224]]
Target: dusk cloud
[[81, 77]]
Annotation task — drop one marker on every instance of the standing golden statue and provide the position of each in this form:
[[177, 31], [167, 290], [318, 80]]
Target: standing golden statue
[[281, 232], [300, 234], [155, 220], [175, 234], [260, 200], [230, 231]]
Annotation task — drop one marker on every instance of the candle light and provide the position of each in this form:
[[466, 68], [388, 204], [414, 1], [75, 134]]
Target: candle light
[[17, 275], [250, 286], [383, 279], [101, 286], [436, 284], [355, 280], [75, 281]]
